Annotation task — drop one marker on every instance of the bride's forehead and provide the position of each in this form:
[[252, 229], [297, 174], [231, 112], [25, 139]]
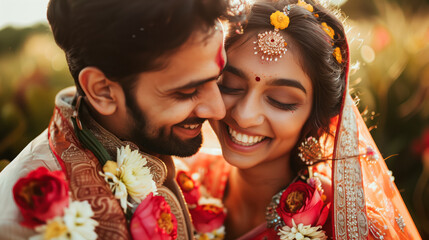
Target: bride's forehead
[[242, 55]]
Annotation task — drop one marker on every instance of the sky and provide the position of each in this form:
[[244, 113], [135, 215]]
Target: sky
[[22, 13]]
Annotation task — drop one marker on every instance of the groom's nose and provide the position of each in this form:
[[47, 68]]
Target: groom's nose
[[211, 105]]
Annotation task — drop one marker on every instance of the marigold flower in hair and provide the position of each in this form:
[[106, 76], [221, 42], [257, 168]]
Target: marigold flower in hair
[[337, 55], [271, 44], [328, 30], [279, 20], [305, 5]]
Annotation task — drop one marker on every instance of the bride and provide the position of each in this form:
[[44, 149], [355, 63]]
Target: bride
[[298, 158]]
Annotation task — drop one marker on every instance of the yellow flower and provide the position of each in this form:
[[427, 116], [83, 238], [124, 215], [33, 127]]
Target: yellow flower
[[328, 30], [305, 5], [204, 237], [111, 167], [337, 55], [279, 20], [55, 229]]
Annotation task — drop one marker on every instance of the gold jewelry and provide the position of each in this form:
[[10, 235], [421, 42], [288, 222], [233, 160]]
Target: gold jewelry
[[310, 151], [271, 44]]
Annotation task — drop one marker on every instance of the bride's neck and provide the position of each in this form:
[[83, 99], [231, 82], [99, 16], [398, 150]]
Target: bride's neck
[[249, 193]]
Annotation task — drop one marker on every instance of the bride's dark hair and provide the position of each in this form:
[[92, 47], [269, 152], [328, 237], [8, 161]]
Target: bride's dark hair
[[315, 48]]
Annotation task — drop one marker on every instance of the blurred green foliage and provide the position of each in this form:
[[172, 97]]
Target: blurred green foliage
[[32, 70], [390, 46], [389, 41]]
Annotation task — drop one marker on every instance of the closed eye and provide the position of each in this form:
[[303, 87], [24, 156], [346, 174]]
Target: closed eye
[[228, 90], [283, 106], [187, 94]]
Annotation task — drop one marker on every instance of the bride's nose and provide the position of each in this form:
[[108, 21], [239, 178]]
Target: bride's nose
[[248, 111]]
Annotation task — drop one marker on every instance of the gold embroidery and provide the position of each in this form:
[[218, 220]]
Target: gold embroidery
[[350, 218]]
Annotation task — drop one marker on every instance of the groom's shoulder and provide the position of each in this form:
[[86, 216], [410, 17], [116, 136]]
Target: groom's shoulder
[[35, 154]]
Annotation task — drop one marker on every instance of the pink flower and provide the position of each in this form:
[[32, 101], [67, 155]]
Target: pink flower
[[207, 217], [189, 188], [41, 195], [153, 220], [303, 204]]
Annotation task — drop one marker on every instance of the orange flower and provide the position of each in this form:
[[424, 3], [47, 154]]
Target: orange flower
[[305, 5], [279, 20], [337, 55], [328, 30]]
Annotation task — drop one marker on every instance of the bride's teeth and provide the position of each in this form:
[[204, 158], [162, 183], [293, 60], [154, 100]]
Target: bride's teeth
[[244, 139], [191, 126]]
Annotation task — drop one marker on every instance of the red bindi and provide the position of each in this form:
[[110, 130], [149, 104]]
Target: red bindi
[[257, 79], [219, 58]]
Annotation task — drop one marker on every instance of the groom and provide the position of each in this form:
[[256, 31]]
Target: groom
[[145, 75]]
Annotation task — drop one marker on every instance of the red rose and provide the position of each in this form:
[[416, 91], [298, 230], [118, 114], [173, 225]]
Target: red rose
[[207, 217], [189, 188], [41, 195], [303, 204], [153, 220]]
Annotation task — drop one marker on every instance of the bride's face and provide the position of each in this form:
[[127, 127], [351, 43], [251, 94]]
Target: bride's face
[[267, 105]]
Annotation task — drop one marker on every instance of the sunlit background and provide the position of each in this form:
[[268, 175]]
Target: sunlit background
[[390, 48]]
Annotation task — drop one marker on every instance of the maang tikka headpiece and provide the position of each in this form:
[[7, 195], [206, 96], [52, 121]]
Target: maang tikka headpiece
[[271, 44]]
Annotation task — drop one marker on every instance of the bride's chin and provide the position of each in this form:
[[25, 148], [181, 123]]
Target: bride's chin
[[239, 161]]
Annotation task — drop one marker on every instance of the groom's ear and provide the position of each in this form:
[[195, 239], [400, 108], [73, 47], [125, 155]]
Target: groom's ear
[[103, 95]]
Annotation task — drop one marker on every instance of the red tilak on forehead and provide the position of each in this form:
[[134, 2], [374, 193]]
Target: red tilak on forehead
[[219, 58]]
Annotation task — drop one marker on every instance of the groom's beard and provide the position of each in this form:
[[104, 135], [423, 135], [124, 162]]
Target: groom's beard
[[156, 140]]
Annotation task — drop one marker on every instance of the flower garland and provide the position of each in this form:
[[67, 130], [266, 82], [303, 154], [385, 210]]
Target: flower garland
[[44, 202], [208, 214], [130, 177], [150, 217], [298, 212]]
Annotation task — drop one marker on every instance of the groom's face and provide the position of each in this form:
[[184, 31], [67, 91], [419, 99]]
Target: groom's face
[[166, 108]]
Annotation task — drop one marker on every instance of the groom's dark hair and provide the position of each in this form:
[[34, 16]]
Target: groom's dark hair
[[123, 38]]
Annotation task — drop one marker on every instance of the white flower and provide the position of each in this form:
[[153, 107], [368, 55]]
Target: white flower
[[129, 176], [301, 232], [79, 222], [118, 188], [133, 173], [76, 224]]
